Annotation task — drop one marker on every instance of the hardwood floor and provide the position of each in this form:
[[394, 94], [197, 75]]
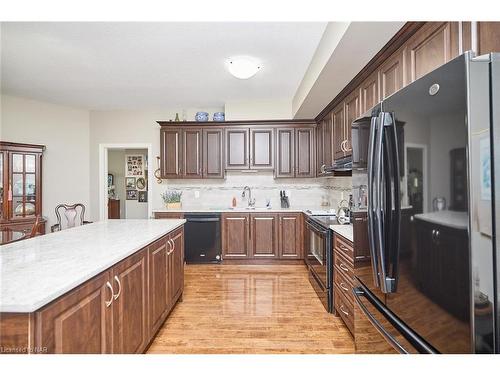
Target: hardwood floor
[[250, 309]]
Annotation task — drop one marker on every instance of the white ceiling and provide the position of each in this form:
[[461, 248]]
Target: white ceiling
[[139, 65]]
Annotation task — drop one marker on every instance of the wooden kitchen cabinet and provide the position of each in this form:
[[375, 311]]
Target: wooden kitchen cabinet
[[213, 153], [79, 322], [290, 236], [261, 148], [171, 152], [391, 75], [130, 307], [235, 235], [237, 148], [432, 46], [176, 266], [192, 153], [488, 37], [325, 133], [360, 234], [264, 235], [370, 93], [352, 106], [118, 311], [295, 155]]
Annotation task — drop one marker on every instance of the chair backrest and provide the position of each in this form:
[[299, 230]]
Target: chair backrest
[[71, 215], [34, 229]]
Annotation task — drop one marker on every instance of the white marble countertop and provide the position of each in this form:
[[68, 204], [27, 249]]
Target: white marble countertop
[[243, 209], [36, 271], [452, 219], [344, 230]]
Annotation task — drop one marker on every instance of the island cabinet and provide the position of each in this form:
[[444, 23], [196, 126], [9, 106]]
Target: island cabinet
[[343, 272], [262, 236], [118, 311]]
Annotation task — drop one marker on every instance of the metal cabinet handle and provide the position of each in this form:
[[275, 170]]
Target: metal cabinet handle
[[343, 248], [108, 303], [343, 267], [342, 285], [342, 146], [341, 307], [115, 296], [172, 246]]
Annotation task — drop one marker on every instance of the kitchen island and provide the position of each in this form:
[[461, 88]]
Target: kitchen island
[[105, 287]]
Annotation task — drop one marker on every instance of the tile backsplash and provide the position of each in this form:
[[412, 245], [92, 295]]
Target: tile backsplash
[[303, 193]]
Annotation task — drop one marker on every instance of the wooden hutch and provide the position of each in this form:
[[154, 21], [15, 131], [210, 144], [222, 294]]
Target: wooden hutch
[[20, 185]]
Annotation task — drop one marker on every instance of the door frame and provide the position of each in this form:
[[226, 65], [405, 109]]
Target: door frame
[[424, 172], [103, 174]]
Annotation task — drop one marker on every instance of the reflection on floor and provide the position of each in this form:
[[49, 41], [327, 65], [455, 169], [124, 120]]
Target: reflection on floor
[[250, 309]]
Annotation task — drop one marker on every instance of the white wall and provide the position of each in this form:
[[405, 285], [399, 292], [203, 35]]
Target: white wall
[[65, 133], [258, 110]]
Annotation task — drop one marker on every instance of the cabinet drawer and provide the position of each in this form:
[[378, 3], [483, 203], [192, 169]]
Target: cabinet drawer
[[169, 215], [343, 285], [346, 310], [344, 247], [344, 267]]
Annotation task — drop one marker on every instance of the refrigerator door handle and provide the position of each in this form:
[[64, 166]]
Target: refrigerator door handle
[[416, 341], [371, 199]]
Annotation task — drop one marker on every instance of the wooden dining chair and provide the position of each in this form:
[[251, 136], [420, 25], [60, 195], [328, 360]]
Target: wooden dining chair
[[71, 214]]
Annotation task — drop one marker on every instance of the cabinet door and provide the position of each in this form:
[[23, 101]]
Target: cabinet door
[[488, 34], [352, 112], [369, 93], [237, 151], [4, 183], [285, 152], [213, 153], [360, 231], [327, 140], [319, 148], [171, 153], [78, 322], [192, 153], [130, 309], [338, 132], [176, 262], [264, 235], [290, 236], [261, 148], [428, 49], [391, 75], [24, 175], [235, 232], [158, 284], [304, 153]]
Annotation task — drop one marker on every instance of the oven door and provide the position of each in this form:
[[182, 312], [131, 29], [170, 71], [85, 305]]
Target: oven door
[[317, 255]]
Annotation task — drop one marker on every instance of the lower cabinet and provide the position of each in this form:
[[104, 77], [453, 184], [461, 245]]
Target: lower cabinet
[[262, 236], [119, 310]]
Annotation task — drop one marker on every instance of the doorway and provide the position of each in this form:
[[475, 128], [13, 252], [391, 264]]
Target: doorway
[[416, 177], [125, 179]]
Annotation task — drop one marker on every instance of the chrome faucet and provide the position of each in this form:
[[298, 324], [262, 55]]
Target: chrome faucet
[[251, 202]]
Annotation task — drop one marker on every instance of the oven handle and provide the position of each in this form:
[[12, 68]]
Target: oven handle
[[419, 344], [316, 229]]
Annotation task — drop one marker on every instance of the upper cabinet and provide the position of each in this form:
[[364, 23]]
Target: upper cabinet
[[194, 150], [488, 37], [295, 155], [391, 75], [431, 47], [370, 93], [213, 153]]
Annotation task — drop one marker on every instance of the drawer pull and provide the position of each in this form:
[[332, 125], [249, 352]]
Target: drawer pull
[[119, 288], [342, 310], [343, 267], [342, 285], [343, 248]]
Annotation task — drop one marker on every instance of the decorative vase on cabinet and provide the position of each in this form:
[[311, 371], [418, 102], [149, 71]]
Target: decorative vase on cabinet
[[201, 116]]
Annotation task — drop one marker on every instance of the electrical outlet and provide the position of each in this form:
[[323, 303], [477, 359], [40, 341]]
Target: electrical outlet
[[196, 194]]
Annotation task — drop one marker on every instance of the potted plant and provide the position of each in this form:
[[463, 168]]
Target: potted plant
[[172, 199]]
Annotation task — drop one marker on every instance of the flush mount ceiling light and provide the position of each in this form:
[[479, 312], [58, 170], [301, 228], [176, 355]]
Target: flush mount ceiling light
[[243, 67]]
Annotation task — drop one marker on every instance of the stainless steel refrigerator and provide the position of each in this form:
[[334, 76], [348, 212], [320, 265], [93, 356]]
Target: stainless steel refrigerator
[[426, 158]]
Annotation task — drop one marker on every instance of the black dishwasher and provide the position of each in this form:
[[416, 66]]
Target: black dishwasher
[[202, 243]]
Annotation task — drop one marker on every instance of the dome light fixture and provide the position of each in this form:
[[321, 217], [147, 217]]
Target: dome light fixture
[[243, 67]]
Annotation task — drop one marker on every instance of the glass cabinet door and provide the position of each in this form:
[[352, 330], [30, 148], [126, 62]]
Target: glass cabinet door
[[2, 188], [23, 185]]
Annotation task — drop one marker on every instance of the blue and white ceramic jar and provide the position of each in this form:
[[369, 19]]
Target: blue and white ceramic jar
[[219, 116], [201, 116]]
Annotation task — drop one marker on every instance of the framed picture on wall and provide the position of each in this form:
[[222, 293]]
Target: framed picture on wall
[[131, 195], [141, 183], [134, 166], [130, 183], [143, 196]]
